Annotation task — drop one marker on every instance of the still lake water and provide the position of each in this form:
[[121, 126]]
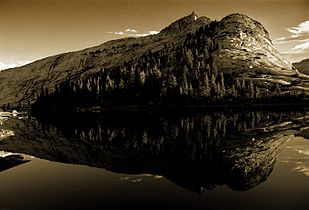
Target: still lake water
[[155, 160]]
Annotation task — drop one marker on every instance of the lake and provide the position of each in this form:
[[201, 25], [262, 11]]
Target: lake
[[188, 159]]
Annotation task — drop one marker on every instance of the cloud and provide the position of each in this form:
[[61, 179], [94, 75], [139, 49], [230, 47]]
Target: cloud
[[119, 33], [5, 65], [299, 39], [132, 33], [302, 169], [130, 30], [298, 33], [303, 46]]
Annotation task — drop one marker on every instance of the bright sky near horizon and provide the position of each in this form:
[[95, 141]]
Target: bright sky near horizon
[[34, 29]]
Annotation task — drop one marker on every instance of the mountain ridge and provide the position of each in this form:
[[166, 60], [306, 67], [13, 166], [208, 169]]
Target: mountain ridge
[[237, 45], [302, 66]]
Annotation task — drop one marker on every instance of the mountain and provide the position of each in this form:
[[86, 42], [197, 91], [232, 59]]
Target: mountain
[[193, 59], [302, 66]]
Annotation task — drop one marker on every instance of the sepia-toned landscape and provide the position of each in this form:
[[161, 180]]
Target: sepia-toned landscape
[[102, 105]]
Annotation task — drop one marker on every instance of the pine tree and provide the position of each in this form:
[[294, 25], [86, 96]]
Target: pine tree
[[213, 85], [238, 85], [277, 90], [171, 82], [98, 86], [243, 84], [156, 72], [122, 84], [207, 68], [109, 83], [181, 91], [257, 93], [190, 90], [204, 87], [163, 88], [234, 92], [184, 83], [131, 77], [219, 91], [141, 78], [189, 58]]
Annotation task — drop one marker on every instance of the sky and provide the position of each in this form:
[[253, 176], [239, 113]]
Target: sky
[[34, 29]]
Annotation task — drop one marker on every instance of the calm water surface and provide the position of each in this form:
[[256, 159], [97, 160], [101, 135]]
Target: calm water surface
[[155, 160]]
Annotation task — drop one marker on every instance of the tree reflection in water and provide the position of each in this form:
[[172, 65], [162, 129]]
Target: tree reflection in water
[[194, 150]]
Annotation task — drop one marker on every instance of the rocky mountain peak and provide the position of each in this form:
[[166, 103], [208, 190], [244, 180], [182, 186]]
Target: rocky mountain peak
[[185, 22]]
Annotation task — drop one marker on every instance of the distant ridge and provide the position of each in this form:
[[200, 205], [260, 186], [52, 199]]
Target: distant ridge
[[303, 66]]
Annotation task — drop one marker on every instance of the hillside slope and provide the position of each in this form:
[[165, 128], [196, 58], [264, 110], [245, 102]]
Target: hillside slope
[[191, 57], [302, 66]]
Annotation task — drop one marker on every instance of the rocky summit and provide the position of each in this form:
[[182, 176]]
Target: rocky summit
[[243, 44], [194, 58]]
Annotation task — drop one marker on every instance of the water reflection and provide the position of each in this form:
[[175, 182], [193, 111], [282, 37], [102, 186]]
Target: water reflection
[[194, 150], [9, 160]]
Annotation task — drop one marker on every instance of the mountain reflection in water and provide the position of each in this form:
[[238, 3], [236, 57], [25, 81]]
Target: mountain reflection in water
[[194, 150]]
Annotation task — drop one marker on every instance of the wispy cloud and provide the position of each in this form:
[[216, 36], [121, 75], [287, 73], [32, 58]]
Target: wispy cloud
[[298, 33], [303, 46], [299, 39], [132, 32], [6, 65], [302, 169]]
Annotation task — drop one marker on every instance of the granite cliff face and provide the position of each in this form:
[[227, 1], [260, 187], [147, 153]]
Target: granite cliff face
[[236, 45], [243, 45]]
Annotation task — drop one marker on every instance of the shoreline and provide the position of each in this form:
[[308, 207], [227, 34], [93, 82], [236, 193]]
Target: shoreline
[[177, 107]]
